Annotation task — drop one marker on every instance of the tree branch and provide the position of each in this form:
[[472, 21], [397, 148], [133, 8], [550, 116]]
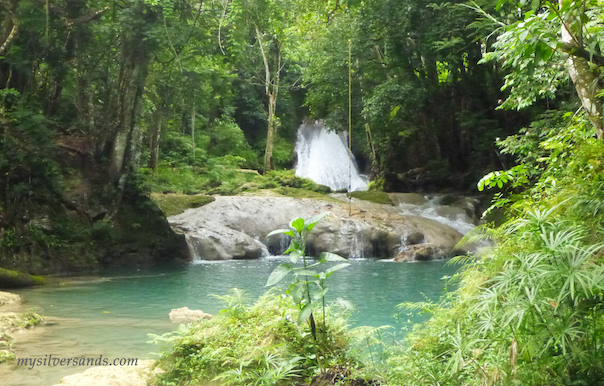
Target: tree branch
[[267, 82], [9, 39], [85, 18], [579, 52]]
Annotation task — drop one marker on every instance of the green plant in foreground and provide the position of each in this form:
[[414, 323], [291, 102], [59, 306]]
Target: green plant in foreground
[[308, 283], [531, 314], [254, 344]]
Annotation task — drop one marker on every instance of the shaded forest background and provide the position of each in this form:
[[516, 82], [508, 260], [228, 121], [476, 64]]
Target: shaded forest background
[[103, 102]]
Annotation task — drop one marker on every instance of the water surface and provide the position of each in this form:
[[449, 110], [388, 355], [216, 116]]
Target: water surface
[[111, 314]]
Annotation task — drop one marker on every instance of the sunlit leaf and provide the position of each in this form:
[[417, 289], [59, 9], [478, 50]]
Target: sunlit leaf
[[279, 273], [298, 224]]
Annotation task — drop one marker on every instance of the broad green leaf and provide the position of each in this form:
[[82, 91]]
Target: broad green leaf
[[294, 256], [293, 246], [306, 272], [278, 274], [328, 256], [305, 313], [318, 293], [317, 263], [297, 290], [298, 224], [313, 221], [336, 268], [283, 231]]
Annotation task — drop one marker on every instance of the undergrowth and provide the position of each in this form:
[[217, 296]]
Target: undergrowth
[[225, 178], [530, 312], [258, 344]]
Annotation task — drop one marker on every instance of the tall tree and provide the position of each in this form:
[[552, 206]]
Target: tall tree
[[546, 45], [272, 23]]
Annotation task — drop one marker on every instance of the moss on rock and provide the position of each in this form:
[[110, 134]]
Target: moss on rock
[[377, 197], [172, 204], [15, 279]]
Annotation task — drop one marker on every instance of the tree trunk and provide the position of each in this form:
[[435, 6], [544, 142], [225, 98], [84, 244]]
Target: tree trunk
[[272, 91], [193, 127], [131, 85], [154, 135], [586, 82], [127, 134]]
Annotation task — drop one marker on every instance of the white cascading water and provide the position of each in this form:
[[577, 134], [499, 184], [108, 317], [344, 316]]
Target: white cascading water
[[323, 157]]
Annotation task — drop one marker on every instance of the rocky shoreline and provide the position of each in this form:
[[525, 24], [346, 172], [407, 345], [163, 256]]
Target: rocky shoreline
[[12, 319]]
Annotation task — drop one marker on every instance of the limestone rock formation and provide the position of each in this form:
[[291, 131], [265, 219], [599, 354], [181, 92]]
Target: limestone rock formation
[[236, 227]]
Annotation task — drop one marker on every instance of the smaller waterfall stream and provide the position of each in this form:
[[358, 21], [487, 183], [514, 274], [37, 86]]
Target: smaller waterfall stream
[[323, 157]]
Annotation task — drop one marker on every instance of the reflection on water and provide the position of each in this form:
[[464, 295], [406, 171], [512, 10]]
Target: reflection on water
[[112, 317]]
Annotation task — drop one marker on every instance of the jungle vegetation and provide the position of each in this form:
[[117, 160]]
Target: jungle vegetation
[[102, 102]]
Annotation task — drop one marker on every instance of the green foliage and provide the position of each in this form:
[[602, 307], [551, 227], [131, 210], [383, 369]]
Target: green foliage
[[526, 315], [288, 179], [531, 46], [220, 176], [528, 312], [557, 154], [172, 204], [407, 94], [257, 344], [308, 284]]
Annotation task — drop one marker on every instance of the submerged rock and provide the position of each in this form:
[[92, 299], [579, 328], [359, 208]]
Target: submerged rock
[[184, 314], [236, 227]]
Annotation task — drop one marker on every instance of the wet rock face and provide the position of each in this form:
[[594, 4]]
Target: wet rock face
[[236, 227], [215, 241]]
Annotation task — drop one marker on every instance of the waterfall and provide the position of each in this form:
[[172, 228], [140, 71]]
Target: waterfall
[[323, 157]]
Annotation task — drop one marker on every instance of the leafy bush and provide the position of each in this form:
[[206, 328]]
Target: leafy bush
[[287, 178], [252, 344], [529, 313]]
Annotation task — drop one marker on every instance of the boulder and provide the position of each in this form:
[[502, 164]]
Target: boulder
[[184, 314], [415, 238], [216, 241], [236, 227], [471, 206], [422, 252], [408, 198], [454, 213]]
